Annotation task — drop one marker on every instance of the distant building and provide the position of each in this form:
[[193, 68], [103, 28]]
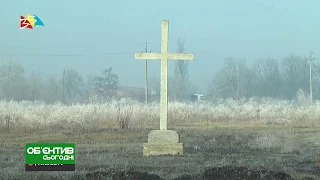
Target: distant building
[[196, 97]]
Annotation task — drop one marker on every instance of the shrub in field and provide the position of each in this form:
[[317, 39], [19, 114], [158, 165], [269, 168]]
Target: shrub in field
[[282, 141], [302, 98], [124, 113]]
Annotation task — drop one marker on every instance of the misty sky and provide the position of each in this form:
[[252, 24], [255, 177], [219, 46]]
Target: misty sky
[[89, 32]]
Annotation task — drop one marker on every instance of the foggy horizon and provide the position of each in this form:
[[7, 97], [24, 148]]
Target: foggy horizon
[[87, 36]]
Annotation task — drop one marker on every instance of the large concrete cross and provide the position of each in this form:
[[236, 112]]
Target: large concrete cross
[[164, 56]]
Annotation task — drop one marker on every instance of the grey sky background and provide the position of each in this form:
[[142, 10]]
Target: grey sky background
[[213, 30]]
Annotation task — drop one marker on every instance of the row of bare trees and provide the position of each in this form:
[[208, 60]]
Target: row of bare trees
[[71, 88], [267, 78]]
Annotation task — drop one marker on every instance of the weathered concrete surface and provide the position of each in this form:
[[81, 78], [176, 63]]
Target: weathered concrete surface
[[163, 142], [155, 149], [163, 136]]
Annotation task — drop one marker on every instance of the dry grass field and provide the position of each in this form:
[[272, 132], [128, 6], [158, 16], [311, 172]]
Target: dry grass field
[[260, 134]]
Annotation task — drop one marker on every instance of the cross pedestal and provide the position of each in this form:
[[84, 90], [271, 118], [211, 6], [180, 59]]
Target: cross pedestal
[[163, 141]]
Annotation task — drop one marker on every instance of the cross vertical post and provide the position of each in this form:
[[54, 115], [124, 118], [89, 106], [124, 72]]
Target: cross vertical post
[[164, 76], [164, 56]]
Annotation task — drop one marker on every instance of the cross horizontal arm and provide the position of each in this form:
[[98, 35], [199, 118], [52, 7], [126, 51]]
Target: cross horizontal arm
[[180, 56], [148, 56], [175, 56]]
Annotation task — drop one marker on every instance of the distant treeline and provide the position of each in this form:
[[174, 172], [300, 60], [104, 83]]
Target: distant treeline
[[265, 78]]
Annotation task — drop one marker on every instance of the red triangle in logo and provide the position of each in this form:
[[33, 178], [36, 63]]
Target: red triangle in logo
[[24, 23]]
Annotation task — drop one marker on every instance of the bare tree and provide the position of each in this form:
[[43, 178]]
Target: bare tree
[[269, 80], [53, 90], [296, 75], [181, 79], [12, 83], [36, 86], [7, 71], [233, 80], [108, 83], [74, 86], [234, 72]]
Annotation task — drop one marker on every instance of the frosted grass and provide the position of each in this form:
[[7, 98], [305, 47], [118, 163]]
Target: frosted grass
[[263, 110]]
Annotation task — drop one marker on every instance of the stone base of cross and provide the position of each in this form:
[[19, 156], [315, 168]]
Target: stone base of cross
[[163, 141]]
